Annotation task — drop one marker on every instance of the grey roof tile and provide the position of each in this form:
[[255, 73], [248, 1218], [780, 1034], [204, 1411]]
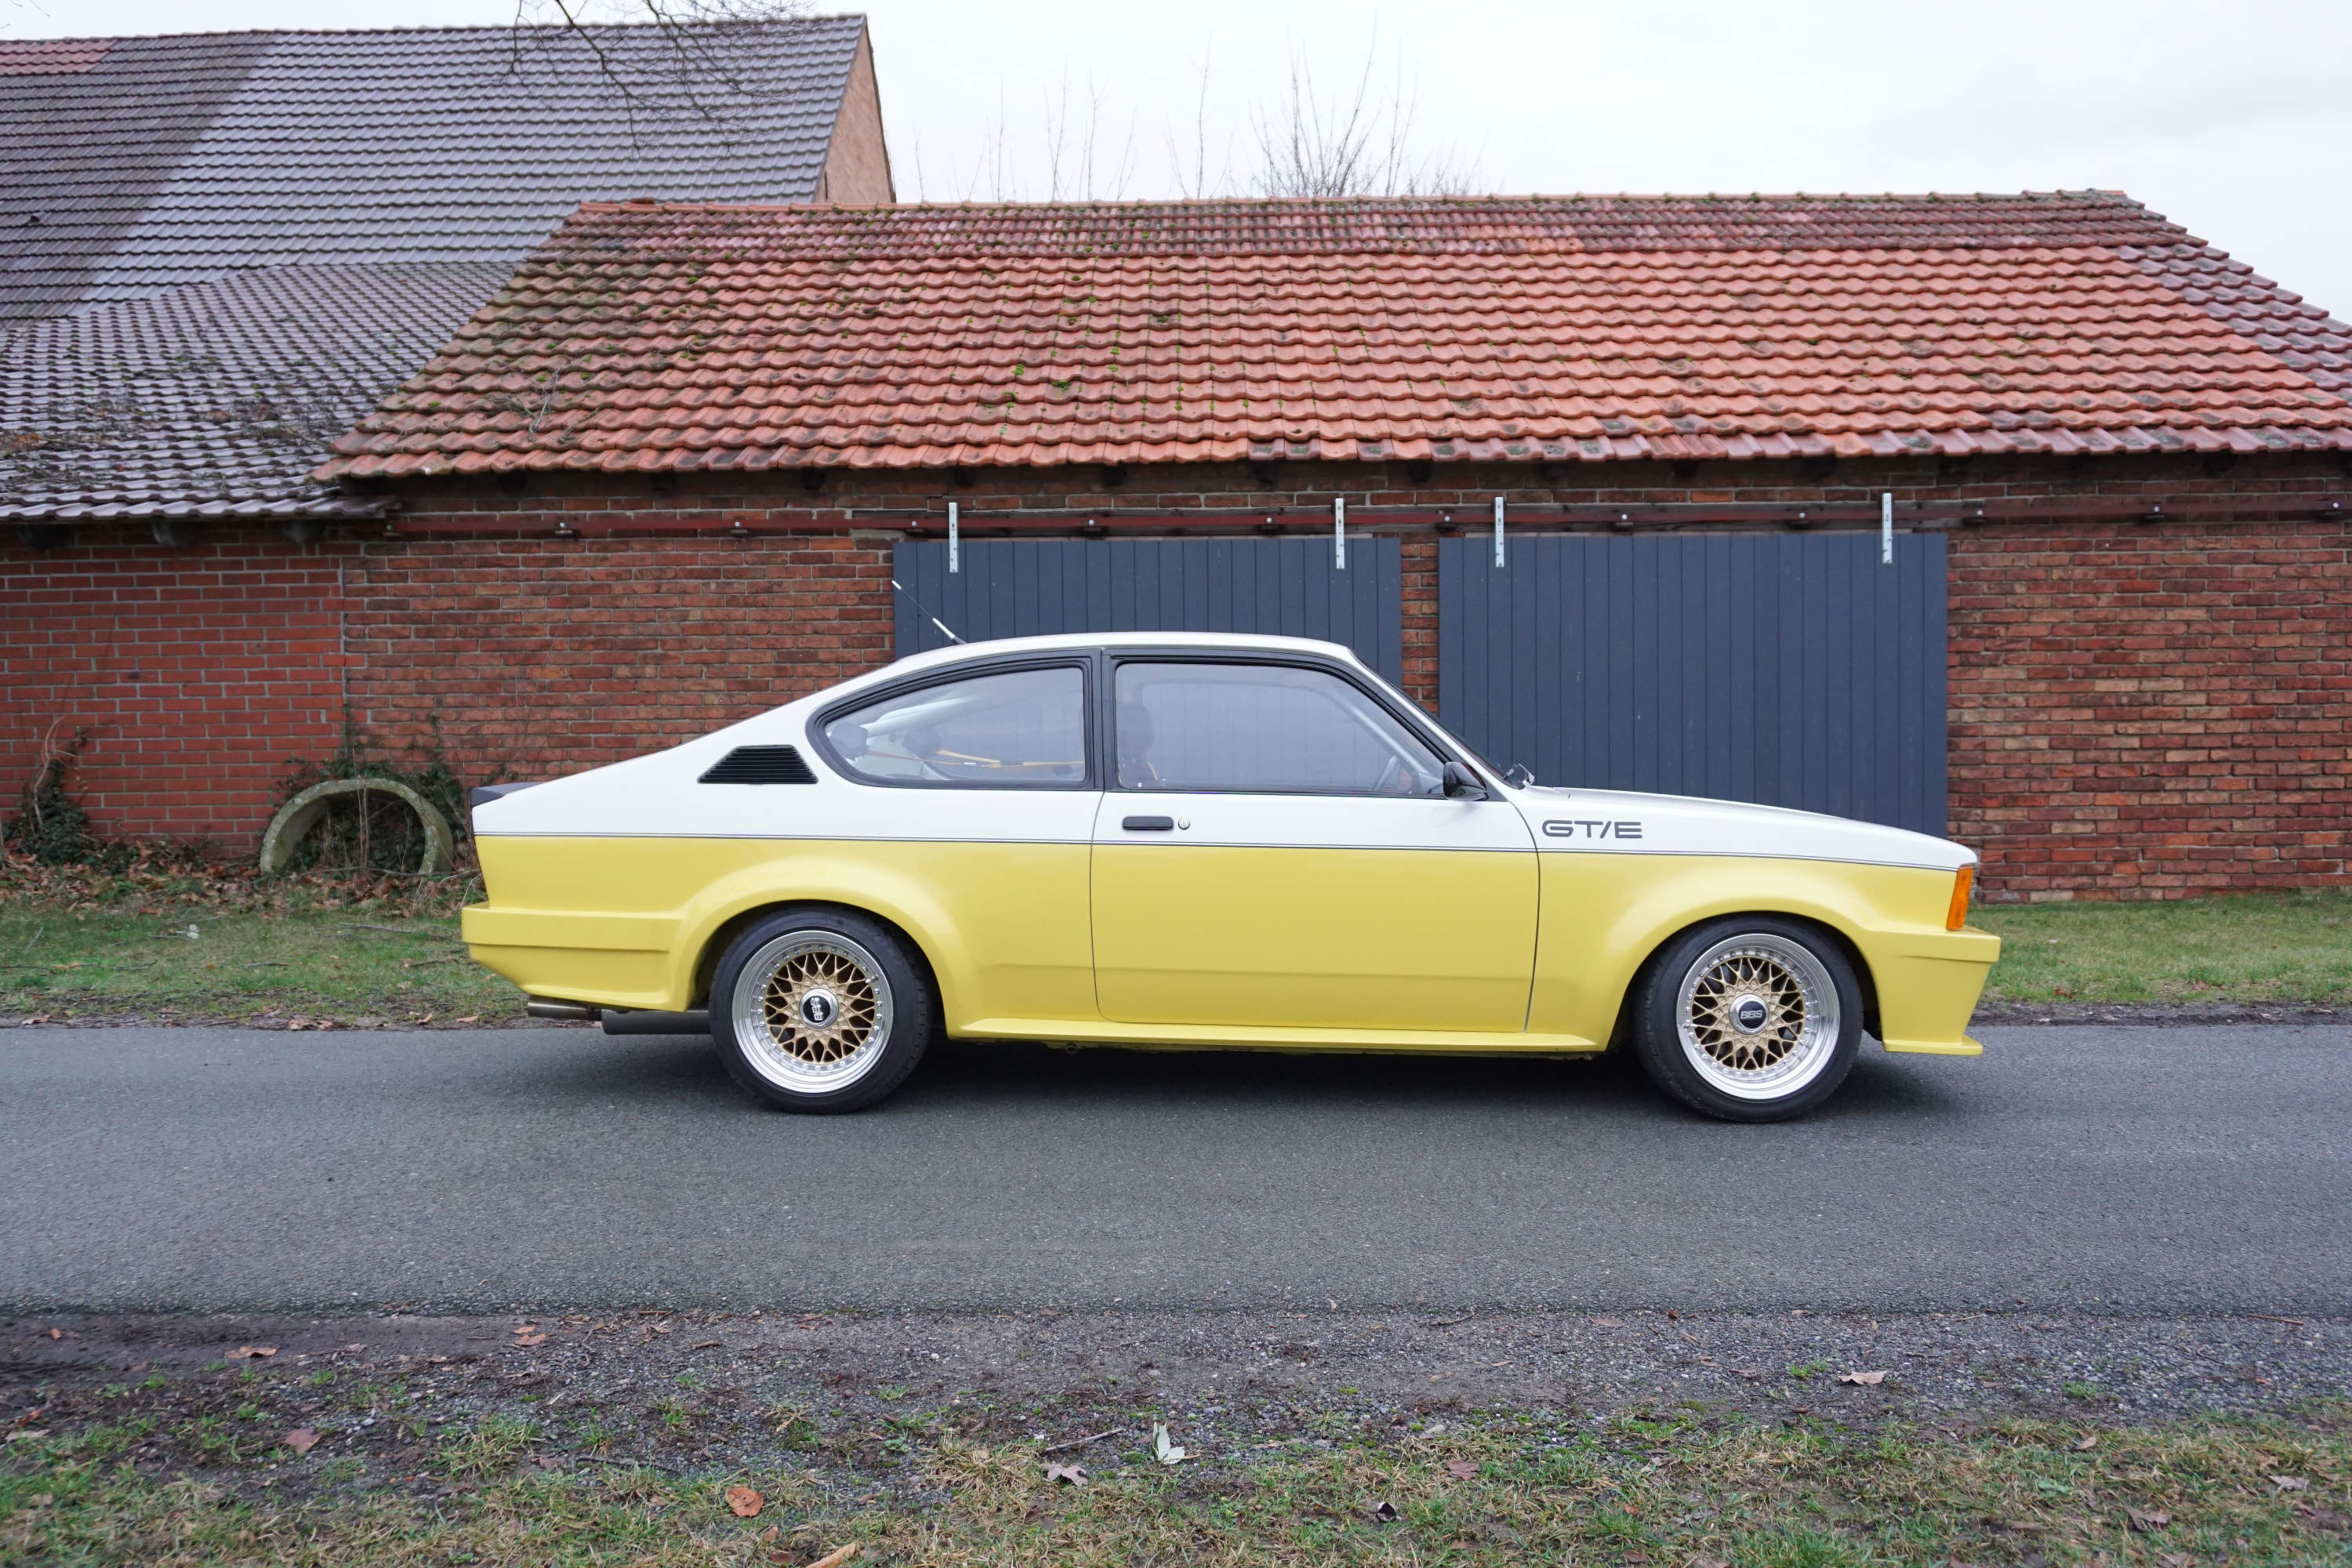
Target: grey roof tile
[[218, 250], [225, 391], [173, 159]]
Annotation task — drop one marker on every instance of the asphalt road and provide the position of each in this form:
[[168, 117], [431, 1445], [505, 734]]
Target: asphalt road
[[2156, 1170]]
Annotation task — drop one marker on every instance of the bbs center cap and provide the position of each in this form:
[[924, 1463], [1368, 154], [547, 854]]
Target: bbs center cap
[[1749, 1014], [818, 1009]]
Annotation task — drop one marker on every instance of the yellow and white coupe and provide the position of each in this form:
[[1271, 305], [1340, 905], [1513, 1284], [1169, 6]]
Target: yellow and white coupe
[[1170, 840]]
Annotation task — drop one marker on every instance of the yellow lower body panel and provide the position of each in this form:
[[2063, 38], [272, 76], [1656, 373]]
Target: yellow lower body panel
[[1604, 914], [1227, 1037], [1009, 930], [1284, 939], [633, 923], [1963, 1047]]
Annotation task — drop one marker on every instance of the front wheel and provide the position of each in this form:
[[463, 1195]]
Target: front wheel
[[1749, 1019], [819, 1010]]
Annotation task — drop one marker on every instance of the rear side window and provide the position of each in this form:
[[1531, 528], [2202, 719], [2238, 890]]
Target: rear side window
[[1262, 730], [1019, 730]]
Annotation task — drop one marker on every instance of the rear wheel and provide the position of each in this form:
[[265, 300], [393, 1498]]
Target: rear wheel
[[820, 1010], [1749, 1019]]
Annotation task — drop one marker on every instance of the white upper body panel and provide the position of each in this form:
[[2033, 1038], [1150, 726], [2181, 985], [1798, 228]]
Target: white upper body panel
[[1622, 822], [659, 795]]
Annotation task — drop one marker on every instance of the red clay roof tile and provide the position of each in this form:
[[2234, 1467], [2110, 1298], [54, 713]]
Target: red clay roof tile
[[650, 337]]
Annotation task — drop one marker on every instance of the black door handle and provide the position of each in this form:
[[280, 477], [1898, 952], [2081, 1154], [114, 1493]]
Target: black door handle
[[1150, 824]]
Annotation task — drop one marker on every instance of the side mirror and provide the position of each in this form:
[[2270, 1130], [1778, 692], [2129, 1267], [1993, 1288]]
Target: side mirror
[[1517, 776], [1461, 783]]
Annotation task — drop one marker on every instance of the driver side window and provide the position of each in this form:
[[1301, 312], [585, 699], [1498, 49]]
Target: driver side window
[[1262, 729], [1023, 729]]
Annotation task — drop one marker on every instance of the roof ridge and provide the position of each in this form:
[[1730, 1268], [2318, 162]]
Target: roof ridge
[[778, 22], [2105, 197]]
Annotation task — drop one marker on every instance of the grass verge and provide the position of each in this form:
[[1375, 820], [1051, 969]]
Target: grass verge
[[337, 965], [2254, 947], [1496, 1487], [176, 941]]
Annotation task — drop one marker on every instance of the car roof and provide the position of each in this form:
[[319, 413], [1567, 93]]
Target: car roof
[[1239, 642]]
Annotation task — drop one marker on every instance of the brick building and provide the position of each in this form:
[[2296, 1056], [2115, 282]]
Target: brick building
[[666, 478]]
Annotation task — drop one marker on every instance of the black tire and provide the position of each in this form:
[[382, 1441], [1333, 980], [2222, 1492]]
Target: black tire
[[877, 1015], [1749, 996]]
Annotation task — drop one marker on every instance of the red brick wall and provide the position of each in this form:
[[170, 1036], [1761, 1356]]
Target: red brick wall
[[2152, 711], [2137, 710], [199, 672], [205, 673], [547, 656]]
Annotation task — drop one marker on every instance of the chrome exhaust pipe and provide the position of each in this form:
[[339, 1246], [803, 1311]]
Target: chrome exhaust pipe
[[562, 1011]]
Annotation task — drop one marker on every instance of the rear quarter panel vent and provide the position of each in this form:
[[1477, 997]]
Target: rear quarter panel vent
[[761, 765]]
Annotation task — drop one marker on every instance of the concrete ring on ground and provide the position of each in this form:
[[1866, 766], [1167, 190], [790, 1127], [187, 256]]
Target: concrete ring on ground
[[298, 817]]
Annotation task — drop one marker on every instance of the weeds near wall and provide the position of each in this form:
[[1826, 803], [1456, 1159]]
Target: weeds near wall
[[50, 828]]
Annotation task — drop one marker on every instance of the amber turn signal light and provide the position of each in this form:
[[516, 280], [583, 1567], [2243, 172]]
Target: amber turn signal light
[[1958, 916]]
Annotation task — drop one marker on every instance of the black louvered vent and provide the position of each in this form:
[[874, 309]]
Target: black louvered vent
[[760, 764]]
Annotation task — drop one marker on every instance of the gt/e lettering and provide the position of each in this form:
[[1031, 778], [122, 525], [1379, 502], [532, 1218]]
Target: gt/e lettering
[[1557, 829]]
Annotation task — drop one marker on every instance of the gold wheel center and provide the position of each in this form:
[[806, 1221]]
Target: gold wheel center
[[819, 1008], [1747, 1012]]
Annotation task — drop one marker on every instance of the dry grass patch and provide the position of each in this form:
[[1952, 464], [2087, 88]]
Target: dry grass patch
[[1503, 1488]]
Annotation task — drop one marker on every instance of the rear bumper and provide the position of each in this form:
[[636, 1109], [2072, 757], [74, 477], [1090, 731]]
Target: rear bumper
[[603, 960]]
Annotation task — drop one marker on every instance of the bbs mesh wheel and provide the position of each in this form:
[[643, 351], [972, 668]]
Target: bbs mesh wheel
[[1749, 1019], [820, 1010]]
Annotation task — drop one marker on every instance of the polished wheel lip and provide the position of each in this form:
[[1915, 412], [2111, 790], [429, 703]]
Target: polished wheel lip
[[1799, 1037], [770, 988]]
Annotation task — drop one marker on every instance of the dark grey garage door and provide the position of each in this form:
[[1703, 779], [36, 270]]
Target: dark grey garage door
[[1791, 669], [1284, 587]]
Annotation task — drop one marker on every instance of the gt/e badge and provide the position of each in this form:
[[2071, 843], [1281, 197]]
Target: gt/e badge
[[1592, 829]]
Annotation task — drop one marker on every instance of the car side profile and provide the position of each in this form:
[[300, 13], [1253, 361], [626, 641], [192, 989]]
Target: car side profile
[[1187, 840]]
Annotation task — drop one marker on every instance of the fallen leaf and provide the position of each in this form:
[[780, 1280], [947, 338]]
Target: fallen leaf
[[837, 1557], [1170, 1454], [1384, 1510], [772, 1532], [2089, 1442], [1607, 1323], [252, 1353], [704, 1346], [1867, 1379], [29, 1432], [528, 1340], [30, 1416], [745, 1501], [468, 1018], [2290, 1483], [1461, 1469], [1709, 1562], [1071, 1474], [2176, 1560], [2147, 1519], [57, 1334], [302, 1440]]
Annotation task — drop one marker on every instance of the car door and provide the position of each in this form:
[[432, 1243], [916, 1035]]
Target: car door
[[1276, 850], [980, 807]]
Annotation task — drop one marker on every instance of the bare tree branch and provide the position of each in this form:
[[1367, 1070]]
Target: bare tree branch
[[1360, 145], [658, 56]]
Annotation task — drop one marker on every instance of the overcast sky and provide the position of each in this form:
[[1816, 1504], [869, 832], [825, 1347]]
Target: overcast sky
[[2231, 118]]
